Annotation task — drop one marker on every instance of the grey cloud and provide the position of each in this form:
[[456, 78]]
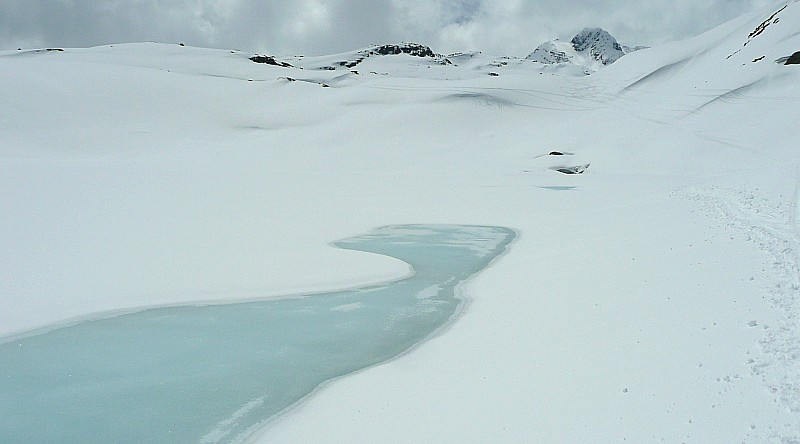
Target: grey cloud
[[512, 27], [89, 23]]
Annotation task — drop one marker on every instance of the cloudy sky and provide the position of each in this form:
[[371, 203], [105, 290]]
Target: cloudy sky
[[313, 27]]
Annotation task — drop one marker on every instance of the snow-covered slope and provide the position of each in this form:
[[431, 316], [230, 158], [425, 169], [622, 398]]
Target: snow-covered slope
[[589, 50], [739, 54], [651, 297]]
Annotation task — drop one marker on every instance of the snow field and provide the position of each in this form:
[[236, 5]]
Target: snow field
[[651, 297]]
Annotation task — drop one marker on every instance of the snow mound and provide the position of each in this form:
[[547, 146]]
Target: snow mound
[[552, 52]]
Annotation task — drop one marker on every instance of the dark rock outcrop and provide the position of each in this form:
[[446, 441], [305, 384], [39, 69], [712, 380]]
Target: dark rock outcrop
[[269, 60], [412, 49], [577, 169]]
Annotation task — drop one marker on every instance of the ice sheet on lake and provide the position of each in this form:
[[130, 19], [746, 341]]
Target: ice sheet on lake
[[213, 373]]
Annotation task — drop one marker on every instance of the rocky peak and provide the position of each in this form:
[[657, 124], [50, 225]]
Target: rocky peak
[[599, 44], [592, 48]]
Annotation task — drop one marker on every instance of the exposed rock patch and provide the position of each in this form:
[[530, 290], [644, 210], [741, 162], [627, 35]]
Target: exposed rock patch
[[412, 49], [793, 59], [763, 26], [773, 19], [577, 169], [269, 60]]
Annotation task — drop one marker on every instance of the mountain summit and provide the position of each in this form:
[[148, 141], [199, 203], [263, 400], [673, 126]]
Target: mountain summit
[[590, 49], [599, 44]]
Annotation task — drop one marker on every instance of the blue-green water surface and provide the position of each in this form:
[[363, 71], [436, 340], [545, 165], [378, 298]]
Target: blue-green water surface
[[213, 373]]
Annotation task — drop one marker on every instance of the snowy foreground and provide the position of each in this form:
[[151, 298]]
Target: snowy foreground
[[653, 297]]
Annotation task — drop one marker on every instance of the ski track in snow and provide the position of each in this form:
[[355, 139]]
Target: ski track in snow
[[774, 229]]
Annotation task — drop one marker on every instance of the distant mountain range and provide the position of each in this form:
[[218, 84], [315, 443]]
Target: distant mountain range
[[587, 52]]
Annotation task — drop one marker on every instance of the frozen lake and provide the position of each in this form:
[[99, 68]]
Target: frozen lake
[[214, 373]]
